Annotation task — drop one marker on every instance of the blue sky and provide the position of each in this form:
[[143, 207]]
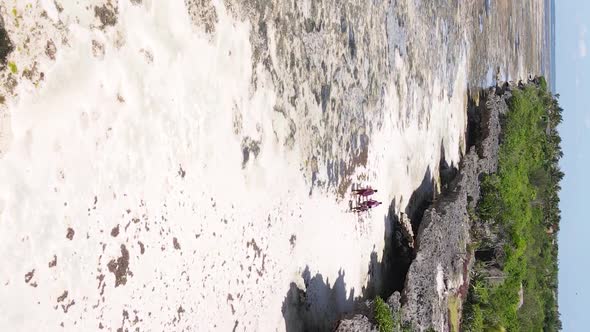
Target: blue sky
[[573, 68]]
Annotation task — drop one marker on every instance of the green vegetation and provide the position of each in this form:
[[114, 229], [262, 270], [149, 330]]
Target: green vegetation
[[383, 316], [12, 67], [519, 216], [454, 305], [16, 16]]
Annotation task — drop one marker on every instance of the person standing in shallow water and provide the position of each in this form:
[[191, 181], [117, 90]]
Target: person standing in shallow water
[[372, 203], [365, 192], [365, 204]]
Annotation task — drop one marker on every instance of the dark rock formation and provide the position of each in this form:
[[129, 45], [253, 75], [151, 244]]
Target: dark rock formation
[[441, 267], [107, 15], [394, 303], [363, 321], [6, 46], [358, 323], [443, 260]]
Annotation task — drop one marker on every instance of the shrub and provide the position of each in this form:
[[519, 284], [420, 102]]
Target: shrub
[[12, 67], [383, 316], [521, 202]]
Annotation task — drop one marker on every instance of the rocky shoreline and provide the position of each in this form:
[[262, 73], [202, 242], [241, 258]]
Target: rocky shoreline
[[438, 277]]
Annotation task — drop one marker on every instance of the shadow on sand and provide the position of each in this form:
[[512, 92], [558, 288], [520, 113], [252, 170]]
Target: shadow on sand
[[322, 304], [319, 307], [397, 253]]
